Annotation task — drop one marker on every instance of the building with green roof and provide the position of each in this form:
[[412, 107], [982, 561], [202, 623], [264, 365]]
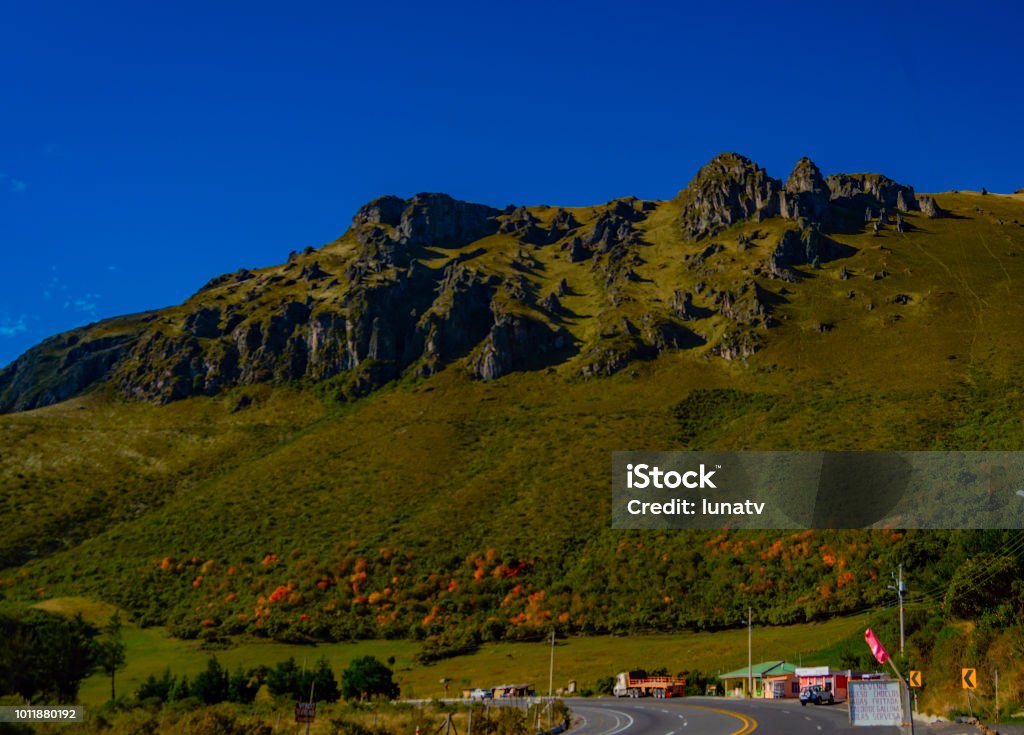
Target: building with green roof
[[736, 682]]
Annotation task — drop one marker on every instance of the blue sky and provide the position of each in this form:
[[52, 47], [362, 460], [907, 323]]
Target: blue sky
[[146, 147]]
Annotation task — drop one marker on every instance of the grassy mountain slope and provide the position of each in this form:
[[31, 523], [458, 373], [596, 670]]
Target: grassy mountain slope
[[464, 509]]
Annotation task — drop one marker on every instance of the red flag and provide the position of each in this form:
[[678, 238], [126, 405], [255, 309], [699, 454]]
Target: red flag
[[876, 648]]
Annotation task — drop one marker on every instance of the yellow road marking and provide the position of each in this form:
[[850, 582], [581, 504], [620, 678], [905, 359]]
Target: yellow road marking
[[749, 723]]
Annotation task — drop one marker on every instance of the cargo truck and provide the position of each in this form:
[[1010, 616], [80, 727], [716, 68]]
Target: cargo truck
[[639, 684]]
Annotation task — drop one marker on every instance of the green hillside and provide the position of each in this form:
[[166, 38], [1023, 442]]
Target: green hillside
[[461, 494]]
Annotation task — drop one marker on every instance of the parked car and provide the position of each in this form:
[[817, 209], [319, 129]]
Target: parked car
[[816, 695], [480, 694]]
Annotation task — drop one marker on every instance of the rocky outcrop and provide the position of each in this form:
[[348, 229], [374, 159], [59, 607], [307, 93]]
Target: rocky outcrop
[[737, 345], [516, 342], [551, 304], [577, 251], [440, 221], [871, 189], [609, 356], [807, 246], [67, 365], [929, 207], [622, 342], [611, 230], [520, 223], [459, 318], [563, 222], [427, 219], [683, 307], [750, 305], [805, 194], [662, 334], [729, 189], [242, 274]]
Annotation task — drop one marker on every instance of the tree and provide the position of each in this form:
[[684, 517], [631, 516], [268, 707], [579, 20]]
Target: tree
[[285, 679], [153, 688], [181, 689], [211, 685], [368, 677], [325, 685], [980, 584], [45, 656], [110, 651], [242, 686]]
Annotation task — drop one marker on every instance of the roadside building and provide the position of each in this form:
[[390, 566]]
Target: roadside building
[[831, 680], [782, 685], [765, 675], [509, 691]]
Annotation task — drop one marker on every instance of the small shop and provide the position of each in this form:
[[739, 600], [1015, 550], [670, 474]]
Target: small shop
[[763, 676]]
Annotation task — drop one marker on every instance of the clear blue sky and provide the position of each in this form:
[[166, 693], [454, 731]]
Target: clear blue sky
[[146, 147]]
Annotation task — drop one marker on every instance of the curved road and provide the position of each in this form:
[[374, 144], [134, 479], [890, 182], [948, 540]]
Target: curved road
[[711, 716]]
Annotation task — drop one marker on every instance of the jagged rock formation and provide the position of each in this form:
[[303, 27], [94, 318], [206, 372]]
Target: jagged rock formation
[[727, 190], [731, 189], [871, 187], [805, 194], [929, 207], [420, 284], [516, 342], [683, 307], [524, 225], [62, 367], [750, 305], [807, 246]]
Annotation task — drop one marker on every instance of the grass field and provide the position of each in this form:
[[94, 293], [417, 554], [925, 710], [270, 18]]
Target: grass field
[[584, 659]]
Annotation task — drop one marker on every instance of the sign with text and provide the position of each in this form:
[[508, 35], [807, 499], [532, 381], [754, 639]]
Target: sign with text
[[305, 711], [877, 702]]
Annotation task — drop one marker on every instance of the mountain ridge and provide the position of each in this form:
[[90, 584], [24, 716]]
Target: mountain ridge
[[287, 509], [414, 285]]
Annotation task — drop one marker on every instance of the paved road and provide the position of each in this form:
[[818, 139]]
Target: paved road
[[711, 716]]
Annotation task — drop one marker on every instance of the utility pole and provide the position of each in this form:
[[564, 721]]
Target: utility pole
[[997, 696], [551, 678], [750, 652], [312, 686], [900, 589]]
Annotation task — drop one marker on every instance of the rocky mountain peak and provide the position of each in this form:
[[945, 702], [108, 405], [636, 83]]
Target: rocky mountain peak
[[440, 220], [385, 210], [806, 193], [728, 189], [805, 177], [426, 219]]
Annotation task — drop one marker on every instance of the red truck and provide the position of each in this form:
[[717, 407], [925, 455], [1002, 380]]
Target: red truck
[[639, 684]]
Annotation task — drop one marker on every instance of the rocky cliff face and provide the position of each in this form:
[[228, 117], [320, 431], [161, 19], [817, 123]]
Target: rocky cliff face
[[727, 190], [873, 188], [64, 366], [806, 194], [423, 283], [731, 189]]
